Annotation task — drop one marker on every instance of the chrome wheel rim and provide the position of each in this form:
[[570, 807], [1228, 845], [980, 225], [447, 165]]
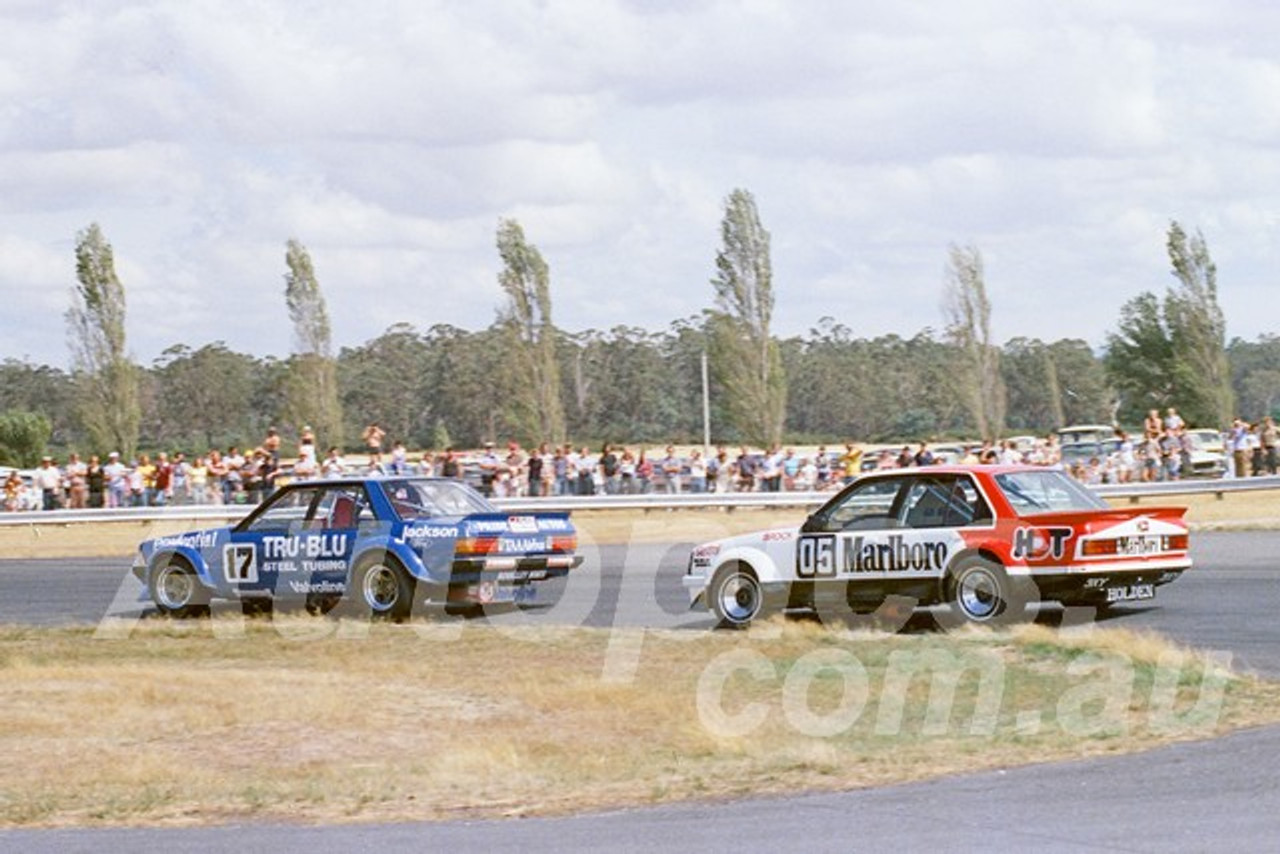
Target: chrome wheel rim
[[979, 594], [174, 587], [381, 589], [739, 598]]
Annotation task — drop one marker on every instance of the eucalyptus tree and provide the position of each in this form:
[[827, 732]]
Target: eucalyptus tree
[[1255, 375], [745, 357], [23, 437], [834, 370], [385, 380], [463, 382], [106, 379], [44, 389], [1055, 384], [202, 398], [1140, 359]]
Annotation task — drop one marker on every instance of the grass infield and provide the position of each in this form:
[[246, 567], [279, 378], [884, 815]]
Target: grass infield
[[299, 719]]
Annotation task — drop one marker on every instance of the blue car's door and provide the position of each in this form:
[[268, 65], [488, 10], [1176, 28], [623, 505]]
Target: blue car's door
[[300, 544], [267, 547], [342, 515]]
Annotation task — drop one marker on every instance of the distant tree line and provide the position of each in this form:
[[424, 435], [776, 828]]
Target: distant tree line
[[439, 386], [523, 378]]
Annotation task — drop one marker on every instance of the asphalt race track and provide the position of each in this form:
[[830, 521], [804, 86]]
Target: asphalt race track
[[1227, 602], [1219, 795]]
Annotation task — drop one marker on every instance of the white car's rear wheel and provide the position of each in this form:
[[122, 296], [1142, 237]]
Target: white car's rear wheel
[[979, 592]]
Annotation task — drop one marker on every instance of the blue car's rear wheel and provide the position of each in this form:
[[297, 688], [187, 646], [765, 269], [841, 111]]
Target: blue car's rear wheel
[[383, 588]]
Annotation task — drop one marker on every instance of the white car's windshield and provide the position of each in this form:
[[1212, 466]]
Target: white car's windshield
[[422, 498], [1046, 491]]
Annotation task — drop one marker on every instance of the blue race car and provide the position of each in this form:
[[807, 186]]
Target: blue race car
[[383, 546]]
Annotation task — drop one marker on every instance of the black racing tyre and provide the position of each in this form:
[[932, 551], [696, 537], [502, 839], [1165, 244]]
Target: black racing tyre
[[979, 592], [382, 588], [736, 596], [176, 589]]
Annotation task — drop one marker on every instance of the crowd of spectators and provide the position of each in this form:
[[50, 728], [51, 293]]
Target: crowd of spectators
[[216, 477], [1163, 451]]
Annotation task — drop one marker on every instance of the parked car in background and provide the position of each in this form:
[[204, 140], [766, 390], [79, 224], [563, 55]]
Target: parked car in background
[[1085, 433], [1084, 451], [1208, 453]]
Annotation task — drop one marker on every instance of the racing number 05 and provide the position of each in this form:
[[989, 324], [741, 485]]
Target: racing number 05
[[816, 556]]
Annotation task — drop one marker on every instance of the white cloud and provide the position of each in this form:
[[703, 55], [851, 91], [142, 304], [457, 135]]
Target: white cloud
[[391, 137]]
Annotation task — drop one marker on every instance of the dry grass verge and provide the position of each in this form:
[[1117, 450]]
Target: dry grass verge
[[309, 720]]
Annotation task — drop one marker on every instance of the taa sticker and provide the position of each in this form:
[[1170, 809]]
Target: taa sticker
[[240, 563]]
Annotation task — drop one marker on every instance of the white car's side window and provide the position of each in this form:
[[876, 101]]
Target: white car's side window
[[868, 506], [944, 502]]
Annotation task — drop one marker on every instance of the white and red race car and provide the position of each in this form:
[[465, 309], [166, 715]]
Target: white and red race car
[[982, 540]]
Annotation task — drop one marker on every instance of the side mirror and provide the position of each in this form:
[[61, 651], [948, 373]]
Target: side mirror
[[814, 524]]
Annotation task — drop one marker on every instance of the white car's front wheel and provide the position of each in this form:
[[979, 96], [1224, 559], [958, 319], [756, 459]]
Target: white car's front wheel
[[736, 597]]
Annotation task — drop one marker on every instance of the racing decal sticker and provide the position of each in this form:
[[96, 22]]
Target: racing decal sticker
[[194, 540], [1040, 543], [816, 556], [518, 545], [310, 545], [893, 554], [422, 531], [830, 555], [332, 587], [240, 563], [523, 524]]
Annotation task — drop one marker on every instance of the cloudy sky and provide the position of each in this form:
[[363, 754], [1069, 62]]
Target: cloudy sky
[[390, 138]]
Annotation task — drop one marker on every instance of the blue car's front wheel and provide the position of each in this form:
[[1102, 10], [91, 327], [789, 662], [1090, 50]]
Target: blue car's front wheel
[[176, 589]]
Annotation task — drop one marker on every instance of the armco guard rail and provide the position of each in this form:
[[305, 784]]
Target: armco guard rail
[[649, 502]]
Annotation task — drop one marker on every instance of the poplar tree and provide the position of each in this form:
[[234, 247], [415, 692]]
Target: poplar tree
[[1197, 331], [968, 313], [746, 359], [535, 406], [107, 400], [312, 387]]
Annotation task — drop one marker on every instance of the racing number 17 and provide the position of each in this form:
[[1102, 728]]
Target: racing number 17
[[240, 564], [816, 556]]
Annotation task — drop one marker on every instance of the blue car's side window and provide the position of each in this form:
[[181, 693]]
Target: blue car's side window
[[288, 513], [343, 508]]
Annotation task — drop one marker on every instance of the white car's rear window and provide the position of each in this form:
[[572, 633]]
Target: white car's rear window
[[1046, 492]]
